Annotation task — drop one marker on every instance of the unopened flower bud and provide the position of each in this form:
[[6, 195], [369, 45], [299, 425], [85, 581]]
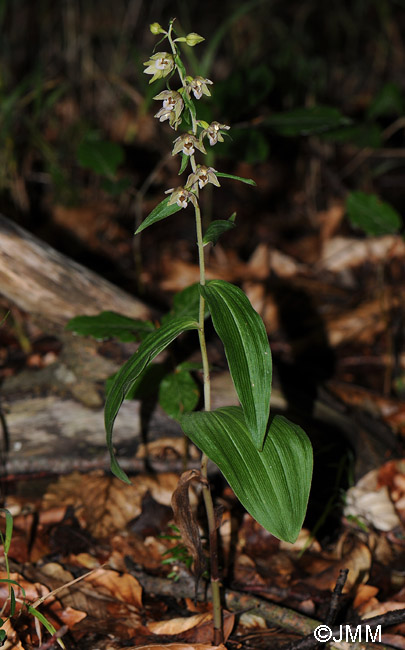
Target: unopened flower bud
[[155, 28], [193, 39]]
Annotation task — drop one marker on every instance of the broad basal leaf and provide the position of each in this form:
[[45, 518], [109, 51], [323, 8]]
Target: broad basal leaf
[[247, 349], [153, 345], [273, 484], [161, 211], [375, 217], [108, 324]]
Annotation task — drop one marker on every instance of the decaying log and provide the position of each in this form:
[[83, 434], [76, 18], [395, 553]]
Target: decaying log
[[50, 286], [54, 416]]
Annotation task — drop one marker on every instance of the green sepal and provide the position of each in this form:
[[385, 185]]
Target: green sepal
[[273, 484], [247, 350], [161, 211], [124, 380], [248, 181]]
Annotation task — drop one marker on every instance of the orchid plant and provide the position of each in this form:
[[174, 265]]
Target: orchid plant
[[267, 460]]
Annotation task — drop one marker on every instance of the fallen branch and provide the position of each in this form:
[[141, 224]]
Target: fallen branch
[[275, 615]]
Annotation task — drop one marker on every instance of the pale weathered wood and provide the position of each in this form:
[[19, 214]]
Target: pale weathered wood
[[52, 287]]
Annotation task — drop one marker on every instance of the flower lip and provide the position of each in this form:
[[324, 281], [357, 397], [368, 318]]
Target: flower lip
[[198, 86], [159, 65], [172, 107], [202, 176], [187, 143], [181, 196], [214, 132]]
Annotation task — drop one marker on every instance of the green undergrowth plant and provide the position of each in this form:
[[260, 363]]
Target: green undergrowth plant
[[266, 459], [10, 605]]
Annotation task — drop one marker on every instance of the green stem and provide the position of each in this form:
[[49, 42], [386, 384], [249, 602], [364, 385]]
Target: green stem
[[209, 506], [208, 502]]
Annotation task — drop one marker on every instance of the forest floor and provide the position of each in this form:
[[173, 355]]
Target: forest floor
[[104, 558]]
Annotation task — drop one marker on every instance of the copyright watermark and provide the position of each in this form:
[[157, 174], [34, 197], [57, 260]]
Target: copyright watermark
[[348, 633]]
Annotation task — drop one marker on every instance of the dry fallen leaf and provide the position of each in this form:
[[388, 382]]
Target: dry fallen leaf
[[357, 559], [105, 504], [124, 587], [371, 504], [167, 448], [340, 253], [12, 642], [179, 646], [178, 625]]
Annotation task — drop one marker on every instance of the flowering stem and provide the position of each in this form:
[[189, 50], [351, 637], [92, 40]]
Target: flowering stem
[[208, 502], [183, 81], [209, 506]]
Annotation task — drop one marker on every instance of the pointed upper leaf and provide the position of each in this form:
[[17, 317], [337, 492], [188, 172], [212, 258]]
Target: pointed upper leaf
[[123, 381], [272, 484], [248, 181], [215, 230], [161, 211], [247, 349]]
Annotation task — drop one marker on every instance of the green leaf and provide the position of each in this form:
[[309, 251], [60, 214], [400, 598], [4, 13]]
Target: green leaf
[[273, 484], [161, 211], [190, 105], [215, 230], [124, 380], [304, 121], [108, 324], [184, 162], [12, 601], [248, 181], [147, 383], [185, 303], [115, 188], [388, 101], [101, 157], [47, 624], [13, 582], [178, 393], [9, 529], [247, 350], [375, 217], [362, 135]]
